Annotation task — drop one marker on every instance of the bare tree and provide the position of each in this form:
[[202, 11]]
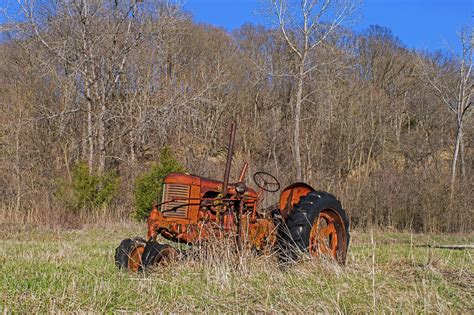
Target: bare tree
[[370, 130], [454, 86], [91, 41], [304, 25]]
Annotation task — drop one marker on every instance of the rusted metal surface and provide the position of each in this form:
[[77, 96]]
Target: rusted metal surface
[[243, 172], [236, 215], [195, 209], [135, 259], [260, 234], [327, 235], [291, 195], [240, 227], [202, 212], [177, 207], [230, 151]]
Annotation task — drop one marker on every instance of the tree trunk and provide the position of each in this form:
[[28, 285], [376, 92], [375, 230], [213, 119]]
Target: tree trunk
[[297, 118], [463, 164], [87, 85], [90, 130], [456, 155], [17, 162], [102, 153]]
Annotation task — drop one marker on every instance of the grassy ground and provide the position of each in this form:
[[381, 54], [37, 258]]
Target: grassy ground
[[50, 271]]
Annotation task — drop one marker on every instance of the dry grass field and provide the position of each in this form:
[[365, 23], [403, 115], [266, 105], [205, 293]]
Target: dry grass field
[[73, 270]]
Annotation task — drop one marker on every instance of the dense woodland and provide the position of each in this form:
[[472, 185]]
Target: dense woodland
[[106, 85]]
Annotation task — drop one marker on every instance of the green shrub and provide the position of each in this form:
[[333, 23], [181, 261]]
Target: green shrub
[[89, 190], [148, 186]]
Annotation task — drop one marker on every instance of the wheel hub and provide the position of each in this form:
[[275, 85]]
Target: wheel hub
[[325, 234], [135, 259]]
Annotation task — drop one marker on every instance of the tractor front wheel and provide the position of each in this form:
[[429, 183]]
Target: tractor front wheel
[[158, 254], [128, 254], [317, 225]]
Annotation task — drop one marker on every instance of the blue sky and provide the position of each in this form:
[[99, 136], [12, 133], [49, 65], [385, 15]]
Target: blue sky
[[421, 24]]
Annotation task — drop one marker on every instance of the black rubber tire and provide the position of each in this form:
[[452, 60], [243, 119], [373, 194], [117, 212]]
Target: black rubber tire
[[123, 251], [152, 253], [294, 234]]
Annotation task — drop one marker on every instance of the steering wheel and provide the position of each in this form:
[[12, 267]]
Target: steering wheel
[[266, 181]]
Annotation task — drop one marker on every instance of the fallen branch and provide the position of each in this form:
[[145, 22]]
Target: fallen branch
[[447, 246]]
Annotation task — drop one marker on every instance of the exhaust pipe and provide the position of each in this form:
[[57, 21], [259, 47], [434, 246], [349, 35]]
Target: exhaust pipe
[[230, 152]]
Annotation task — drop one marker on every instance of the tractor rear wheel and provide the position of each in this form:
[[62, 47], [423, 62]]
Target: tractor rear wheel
[[317, 225], [158, 254], [128, 254]]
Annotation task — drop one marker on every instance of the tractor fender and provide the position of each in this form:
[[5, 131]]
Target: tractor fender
[[291, 195]]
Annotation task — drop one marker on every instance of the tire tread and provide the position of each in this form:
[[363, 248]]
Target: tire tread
[[294, 233]]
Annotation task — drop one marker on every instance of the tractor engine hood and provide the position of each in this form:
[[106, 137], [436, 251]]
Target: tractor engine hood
[[205, 184]]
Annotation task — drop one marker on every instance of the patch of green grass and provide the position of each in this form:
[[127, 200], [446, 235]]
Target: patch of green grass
[[49, 271]]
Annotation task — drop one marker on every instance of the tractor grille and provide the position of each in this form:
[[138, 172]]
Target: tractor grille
[[177, 208]]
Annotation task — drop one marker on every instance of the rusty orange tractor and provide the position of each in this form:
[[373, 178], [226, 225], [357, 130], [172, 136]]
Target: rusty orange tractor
[[194, 209]]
